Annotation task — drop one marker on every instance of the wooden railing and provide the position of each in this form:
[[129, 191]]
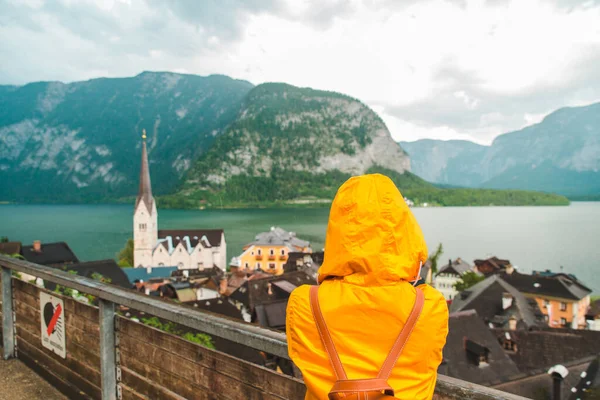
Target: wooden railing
[[110, 357]]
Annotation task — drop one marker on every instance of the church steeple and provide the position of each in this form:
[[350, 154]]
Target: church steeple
[[145, 191], [145, 217]]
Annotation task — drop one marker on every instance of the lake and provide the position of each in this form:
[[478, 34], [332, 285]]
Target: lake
[[531, 237]]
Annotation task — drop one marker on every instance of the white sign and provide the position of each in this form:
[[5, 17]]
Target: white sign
[[52, 311]]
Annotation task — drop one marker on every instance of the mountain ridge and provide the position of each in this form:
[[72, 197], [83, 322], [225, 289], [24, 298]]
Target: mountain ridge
[[548, 156]]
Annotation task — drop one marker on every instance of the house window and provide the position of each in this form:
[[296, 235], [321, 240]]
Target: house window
[[563, 306], [272, 252], [247, 265], [143, 227], [546, 303], [282, 252], [272, 265], [257, 265], [563, 321], [200, 265], [259, 252], [180, 265], [161, 264]]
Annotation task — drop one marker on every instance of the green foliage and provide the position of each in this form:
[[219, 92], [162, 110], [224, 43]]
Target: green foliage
[[284, 187], [17, 256], [125, 256], [433, 257], [3, 239], [199, 338], [468, 279], [169, 327]]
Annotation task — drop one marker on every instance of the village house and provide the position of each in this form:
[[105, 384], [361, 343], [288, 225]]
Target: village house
[[269, 251], [562, 298], [500, 305], [182, 248], [449, 275], [492, 265]]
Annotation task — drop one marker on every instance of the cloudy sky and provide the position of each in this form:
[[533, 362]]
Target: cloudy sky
[[445, 69]]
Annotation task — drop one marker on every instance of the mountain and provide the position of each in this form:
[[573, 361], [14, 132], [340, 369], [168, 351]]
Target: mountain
[[451, 162], [212, 141], [81, 141], [561, 154], [296, 146], [289, 142]]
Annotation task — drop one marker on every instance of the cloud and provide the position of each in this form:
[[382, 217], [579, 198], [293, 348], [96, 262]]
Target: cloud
[[431, 68]]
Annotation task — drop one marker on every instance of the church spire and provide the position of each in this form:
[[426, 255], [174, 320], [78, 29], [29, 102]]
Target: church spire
[[145, 192]]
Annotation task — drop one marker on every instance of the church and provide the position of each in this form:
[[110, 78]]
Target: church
[[181, 248]]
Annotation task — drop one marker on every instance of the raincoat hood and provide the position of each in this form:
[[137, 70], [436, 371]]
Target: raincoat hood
[[373, 239]]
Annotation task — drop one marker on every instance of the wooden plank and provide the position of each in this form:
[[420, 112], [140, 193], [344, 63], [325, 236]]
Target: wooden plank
[[89, 363], [82, 310], [166, 380], [63, 386], [134, 336], [71, 362], [128, 393], [146, 388], [58, 368], [30, 318], [30, 295], [188, 379]]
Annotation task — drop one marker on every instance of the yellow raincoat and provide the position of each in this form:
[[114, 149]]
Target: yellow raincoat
[[373, 250]]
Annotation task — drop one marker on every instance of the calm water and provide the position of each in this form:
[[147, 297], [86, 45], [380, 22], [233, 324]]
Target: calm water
[[531, 237]]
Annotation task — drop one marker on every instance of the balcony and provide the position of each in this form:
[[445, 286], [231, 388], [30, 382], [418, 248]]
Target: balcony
[[283, 257], [272, 257], [258, 256], [110, 356]]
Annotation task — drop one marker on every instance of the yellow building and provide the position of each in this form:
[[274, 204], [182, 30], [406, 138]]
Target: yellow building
[[269, 251]]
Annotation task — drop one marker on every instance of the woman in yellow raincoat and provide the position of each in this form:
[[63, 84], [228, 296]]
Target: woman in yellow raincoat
[[373, 253]]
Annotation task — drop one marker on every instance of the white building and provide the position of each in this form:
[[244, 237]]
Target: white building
[[448, 276], [185, 249]]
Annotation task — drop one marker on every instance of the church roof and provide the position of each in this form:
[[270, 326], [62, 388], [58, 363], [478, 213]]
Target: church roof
[[145, 191], [189, 237]]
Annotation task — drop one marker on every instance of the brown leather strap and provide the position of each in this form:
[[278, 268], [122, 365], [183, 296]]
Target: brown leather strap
[[392, 358], [334, 358], [362, 385], [395, 352]]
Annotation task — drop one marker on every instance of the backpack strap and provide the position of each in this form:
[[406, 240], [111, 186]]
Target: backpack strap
[[334, 358], [394, 354], [392, 358]]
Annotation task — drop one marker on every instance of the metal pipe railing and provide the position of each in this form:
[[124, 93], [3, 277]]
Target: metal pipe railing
[[266, 340]]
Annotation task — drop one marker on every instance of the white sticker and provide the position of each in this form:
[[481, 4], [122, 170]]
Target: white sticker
[[52, 311]]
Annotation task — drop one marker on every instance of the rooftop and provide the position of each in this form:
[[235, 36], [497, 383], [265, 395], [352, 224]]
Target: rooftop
[[559, 285], [57, 253], [488, 299]]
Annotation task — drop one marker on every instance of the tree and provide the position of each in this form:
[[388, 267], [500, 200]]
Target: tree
[[433, 258], [3, 239], [125, 256], [468, 279]]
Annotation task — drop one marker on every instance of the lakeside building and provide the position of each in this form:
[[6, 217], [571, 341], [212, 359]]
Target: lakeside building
[[449, 275], [181, 248], [270, 251]]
